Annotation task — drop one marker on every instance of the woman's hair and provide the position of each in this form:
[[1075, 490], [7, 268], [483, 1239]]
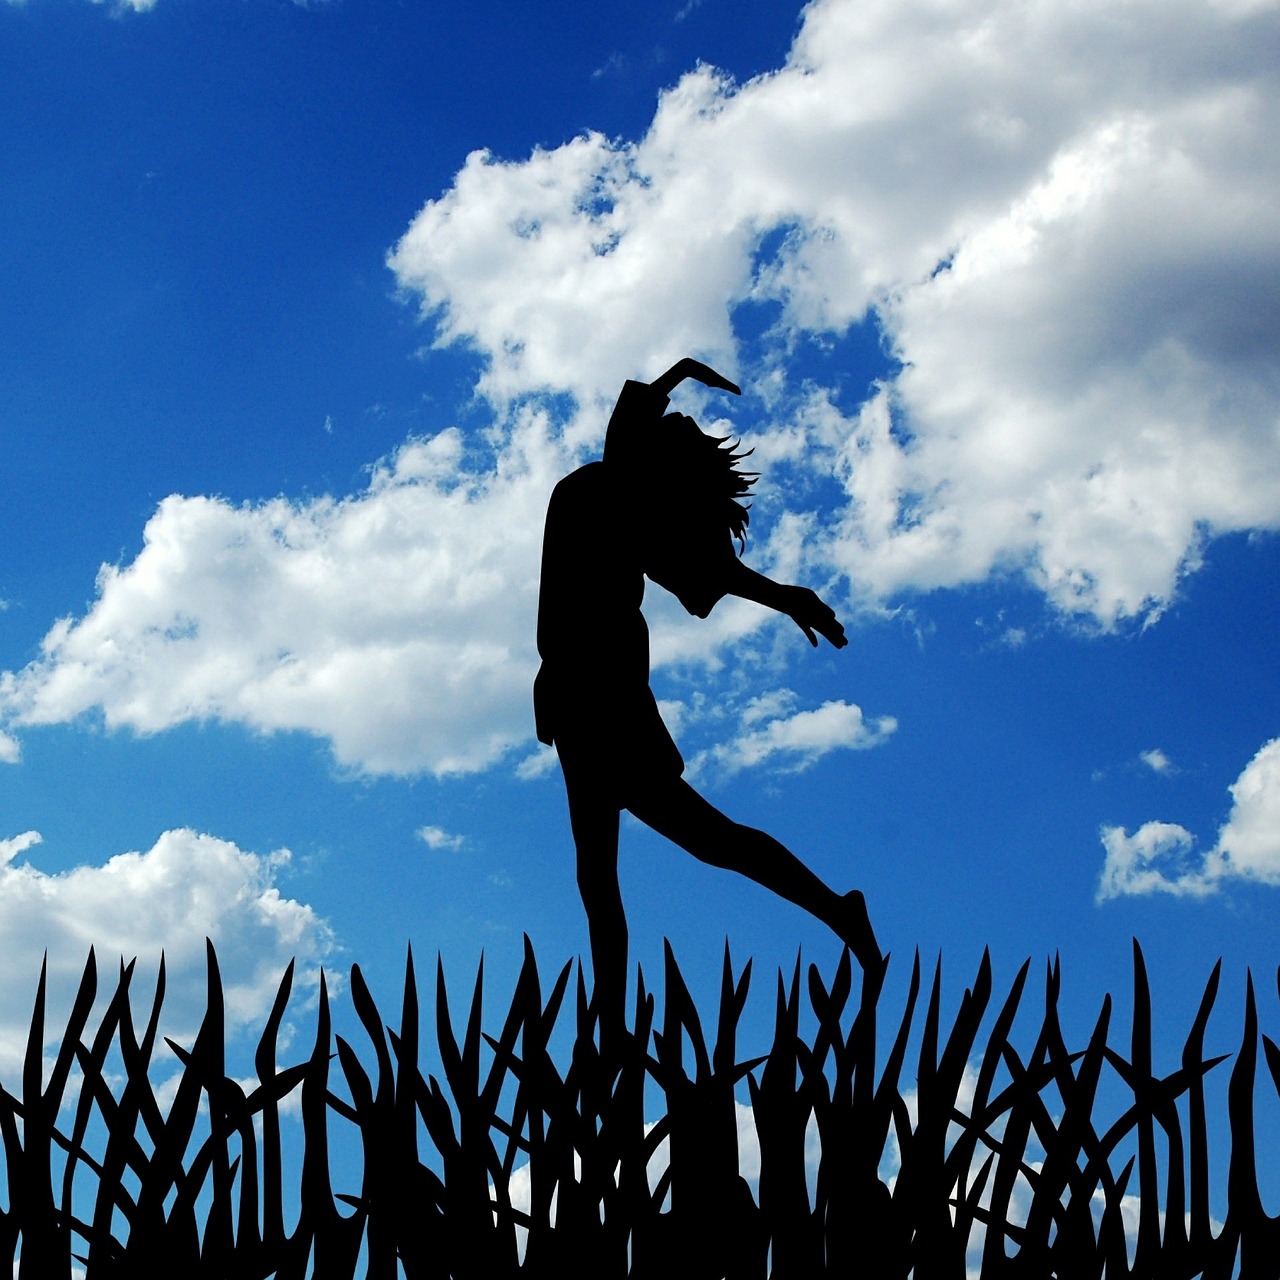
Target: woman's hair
[[701, 476]]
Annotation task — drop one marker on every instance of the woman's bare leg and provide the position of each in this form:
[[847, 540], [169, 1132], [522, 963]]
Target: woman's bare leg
[[674, 809], [595, 835]]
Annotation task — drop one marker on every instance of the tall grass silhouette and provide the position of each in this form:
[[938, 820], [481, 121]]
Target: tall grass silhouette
[[994, 1159]]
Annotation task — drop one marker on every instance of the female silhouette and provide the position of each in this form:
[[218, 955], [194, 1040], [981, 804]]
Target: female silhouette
[[592, 698]]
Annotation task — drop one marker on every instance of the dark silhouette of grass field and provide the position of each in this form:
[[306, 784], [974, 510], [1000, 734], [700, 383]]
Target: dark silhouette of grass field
[[978, 1153]]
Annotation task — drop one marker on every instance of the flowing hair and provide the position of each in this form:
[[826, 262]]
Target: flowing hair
[[701, 477]]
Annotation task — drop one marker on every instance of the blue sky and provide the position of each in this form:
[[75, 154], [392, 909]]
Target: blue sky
[[309, 306]]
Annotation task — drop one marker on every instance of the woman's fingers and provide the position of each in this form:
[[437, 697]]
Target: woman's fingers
[[813, 614]]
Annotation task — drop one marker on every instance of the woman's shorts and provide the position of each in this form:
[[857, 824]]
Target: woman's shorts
[[614, 741]]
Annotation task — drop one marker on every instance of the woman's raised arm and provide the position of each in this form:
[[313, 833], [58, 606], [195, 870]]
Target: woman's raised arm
[[690, 368]]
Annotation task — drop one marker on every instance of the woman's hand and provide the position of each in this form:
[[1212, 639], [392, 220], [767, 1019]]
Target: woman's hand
[[690, 368], [810, 614], [804, 607]]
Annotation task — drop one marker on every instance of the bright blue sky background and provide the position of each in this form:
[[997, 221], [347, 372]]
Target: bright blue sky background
[[299, 367]]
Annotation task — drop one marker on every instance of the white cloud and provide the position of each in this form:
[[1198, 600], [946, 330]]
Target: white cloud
[[1157, 858], [773, 705], [186, 887], [1249, 843], [537, 764], [772, 733], [1061, 216], [398, 623], [1156, 760], [439, 838], [1131, 1218], [11, 848], [1161, 857]]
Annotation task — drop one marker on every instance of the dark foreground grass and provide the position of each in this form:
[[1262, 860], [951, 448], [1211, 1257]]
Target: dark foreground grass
[[999, 1157]]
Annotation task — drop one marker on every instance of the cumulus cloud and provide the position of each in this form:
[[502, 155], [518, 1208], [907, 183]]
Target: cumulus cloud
[[398, 623], [1060, 216], [1249, 844], [1156, 760], [773, 734], [1162, 857], [186, 887], [1158, 858]]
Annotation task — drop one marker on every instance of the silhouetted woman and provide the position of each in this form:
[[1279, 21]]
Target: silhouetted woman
[[662, 503]]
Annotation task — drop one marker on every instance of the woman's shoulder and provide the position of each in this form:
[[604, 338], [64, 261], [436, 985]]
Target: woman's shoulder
[[580, 488], [582, 505], [581, 477]]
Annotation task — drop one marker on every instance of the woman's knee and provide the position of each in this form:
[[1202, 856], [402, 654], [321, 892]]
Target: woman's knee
[[712, 838], [598, 882]]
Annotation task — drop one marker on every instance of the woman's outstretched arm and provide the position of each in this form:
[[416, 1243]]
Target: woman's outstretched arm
[[802, 606]]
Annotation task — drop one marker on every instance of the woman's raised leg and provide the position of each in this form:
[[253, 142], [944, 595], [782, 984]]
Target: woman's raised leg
[[674, 809]]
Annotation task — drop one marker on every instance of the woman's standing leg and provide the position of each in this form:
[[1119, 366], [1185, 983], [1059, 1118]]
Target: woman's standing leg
[[594, 819]]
